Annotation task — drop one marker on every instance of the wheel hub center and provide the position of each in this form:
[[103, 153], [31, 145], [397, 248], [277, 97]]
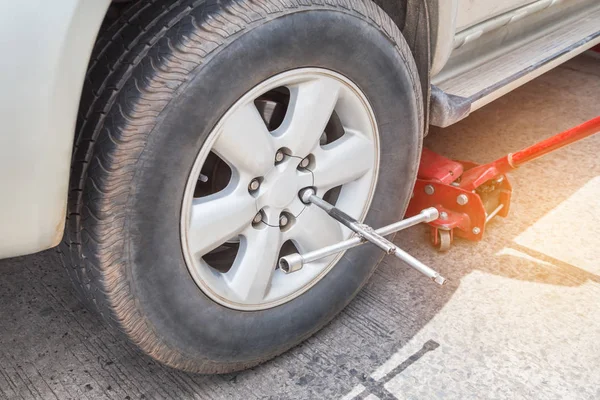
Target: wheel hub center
[[281, 186]]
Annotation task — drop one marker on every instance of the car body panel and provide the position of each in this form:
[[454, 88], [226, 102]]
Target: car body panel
[[442, 14], [45, 48], [473, 12]]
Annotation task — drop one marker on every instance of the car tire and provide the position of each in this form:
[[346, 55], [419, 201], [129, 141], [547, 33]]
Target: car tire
[[161, 78]]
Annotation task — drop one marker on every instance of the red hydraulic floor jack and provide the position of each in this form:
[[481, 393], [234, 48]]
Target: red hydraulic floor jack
[[468, 195]]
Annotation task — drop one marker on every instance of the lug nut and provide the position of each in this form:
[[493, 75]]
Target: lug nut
[[429, 190], [305, 194], [254, 185], [462, 199], [279, 156], [203, 178], [257, 218], [304, 163], [283, 220], [443, 215], [476, 231]]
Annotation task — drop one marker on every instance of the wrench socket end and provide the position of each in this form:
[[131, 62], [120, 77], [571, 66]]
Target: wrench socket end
[[440, 280]]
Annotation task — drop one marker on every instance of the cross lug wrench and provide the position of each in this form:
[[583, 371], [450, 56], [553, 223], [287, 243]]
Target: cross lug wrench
[[295, 262]]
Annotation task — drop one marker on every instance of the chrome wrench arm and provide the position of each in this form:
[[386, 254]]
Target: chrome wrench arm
[[364, 231], [294, 262]]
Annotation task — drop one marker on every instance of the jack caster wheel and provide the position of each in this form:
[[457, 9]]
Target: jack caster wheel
[[444, 240]]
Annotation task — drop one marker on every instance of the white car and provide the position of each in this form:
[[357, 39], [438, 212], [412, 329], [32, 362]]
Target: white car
[[162, 146]]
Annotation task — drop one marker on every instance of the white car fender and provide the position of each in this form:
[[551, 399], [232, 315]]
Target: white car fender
[[45, 47]]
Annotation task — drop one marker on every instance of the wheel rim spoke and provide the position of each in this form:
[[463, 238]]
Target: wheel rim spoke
[[245, 143], [250, 275], [314, 230], [311, 105], [343, 161], [219, 217]]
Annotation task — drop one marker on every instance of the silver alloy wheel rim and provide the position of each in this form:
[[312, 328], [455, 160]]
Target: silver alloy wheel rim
[[244, 142]]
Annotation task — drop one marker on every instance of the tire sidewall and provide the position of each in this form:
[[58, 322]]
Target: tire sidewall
[[179, 312]]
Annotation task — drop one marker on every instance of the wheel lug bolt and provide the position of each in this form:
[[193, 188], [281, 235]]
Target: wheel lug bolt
[[304, 163], [254, 185], [279, 156], [283, 220], [257, 218]]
